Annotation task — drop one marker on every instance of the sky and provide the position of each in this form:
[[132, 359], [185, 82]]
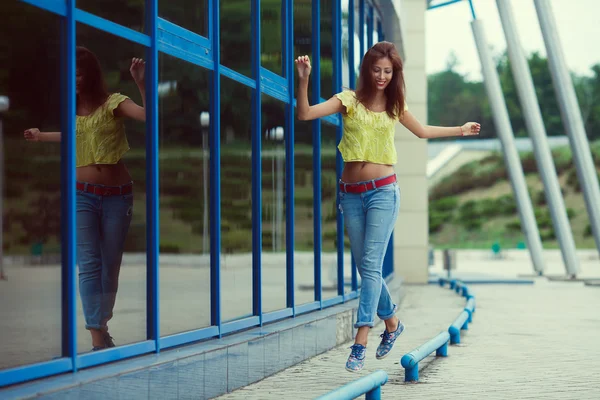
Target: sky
[[448, 30]]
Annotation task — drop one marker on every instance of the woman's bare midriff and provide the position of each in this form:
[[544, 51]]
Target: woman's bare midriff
[[365, 171], [104, 174]]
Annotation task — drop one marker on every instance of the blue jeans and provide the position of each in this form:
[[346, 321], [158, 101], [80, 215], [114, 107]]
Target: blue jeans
[[102, 225], [370, 218]]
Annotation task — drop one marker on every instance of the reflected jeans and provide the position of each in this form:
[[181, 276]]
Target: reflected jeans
[[370, 218], [102, 225]]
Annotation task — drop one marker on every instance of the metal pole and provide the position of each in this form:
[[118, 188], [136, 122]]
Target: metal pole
[[537, 132], [279, 200], [205, 191], [511, 157], [571, 116], [4, 105], [204, 125]]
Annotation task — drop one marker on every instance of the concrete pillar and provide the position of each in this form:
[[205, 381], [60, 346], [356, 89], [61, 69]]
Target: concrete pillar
[[411, 235]]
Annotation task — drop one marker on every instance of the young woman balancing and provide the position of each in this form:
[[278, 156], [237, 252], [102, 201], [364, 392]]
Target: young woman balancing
[[104, 187], [369, 195]]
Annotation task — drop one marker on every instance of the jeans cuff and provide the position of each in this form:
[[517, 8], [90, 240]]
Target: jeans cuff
[[98, 327], [390, 315], [361, 324]]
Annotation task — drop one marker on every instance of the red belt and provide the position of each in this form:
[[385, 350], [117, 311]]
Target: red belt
[[105, 190], [366, 186]]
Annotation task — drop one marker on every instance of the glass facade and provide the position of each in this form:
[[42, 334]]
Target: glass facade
[[234, 221]]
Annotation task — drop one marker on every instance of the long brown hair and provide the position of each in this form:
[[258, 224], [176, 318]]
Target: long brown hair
[[395, 90], [92, 84]]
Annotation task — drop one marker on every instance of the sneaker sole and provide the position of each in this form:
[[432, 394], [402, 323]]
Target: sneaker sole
[[388, 353]]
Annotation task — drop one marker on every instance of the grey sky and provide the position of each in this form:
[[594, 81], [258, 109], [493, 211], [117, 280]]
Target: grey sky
[[448, 29]]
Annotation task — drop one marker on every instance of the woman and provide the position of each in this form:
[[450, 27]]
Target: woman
[[104, 187], [369, 195]]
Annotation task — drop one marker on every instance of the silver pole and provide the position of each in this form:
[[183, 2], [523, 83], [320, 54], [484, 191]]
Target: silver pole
[[511, 157], [280, 156], [537, 132], [571, 116], [4, 105], [205, 191]]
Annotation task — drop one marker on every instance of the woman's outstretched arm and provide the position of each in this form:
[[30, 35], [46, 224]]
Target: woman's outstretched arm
[[34, 135], [305, 111], [432, 132]]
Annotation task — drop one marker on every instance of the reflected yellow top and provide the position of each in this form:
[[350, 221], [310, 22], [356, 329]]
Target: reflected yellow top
[[101, 136], [368, 135]]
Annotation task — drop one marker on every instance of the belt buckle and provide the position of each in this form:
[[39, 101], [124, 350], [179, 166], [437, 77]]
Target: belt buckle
[[107, 192]]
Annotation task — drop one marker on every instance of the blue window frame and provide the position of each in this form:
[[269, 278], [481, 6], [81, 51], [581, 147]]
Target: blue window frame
[[162, 36]]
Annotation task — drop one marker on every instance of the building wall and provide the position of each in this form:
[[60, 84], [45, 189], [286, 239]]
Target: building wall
[[411, 235]]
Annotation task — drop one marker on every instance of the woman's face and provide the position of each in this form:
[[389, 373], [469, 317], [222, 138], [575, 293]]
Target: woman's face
[[382, 73]]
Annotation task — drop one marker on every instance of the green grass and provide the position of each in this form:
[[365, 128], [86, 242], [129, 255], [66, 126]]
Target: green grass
[[480, 183]]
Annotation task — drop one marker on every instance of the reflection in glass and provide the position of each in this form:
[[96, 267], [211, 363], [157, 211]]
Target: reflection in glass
[[329, 209], [236, 200], [303, 210], [127, 13], [271, 36], [303, 171], [327, 64], [184, 122], [345, 45], [236, 34], [273, 205], [111, 198], [30, 272], [189, 14]]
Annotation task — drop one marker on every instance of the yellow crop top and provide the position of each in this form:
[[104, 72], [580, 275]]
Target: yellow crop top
[[368, 135], [101, 136]]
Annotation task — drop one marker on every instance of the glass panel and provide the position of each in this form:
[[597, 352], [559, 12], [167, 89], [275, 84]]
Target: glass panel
[[304, 216], [118, 227], [326, 49], [273, 205], [329, 209], [272, 35], [357, 53], [184, 192], [189, 14], [127, 13], [236, 199], [303, 35], [345, 45], [30, 271], [303, 190], [365, 33], [236, 35]]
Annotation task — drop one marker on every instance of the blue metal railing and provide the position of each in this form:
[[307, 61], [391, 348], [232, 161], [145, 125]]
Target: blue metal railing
[[369, 385], [439, 343], [410, 361]]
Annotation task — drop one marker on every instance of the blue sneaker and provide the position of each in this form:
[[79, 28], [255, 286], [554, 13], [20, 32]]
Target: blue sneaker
[[387, 341], [356, 361]]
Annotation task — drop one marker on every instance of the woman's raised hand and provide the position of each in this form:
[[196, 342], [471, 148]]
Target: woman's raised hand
[[303, 66], [470, 129], [138, 70]]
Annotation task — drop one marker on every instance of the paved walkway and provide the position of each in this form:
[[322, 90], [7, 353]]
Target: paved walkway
[[537, 341]]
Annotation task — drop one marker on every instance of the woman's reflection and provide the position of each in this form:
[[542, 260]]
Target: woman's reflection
[[104, 187]]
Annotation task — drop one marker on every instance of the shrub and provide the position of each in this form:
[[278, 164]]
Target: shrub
[[514, 225], [446, 204]]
